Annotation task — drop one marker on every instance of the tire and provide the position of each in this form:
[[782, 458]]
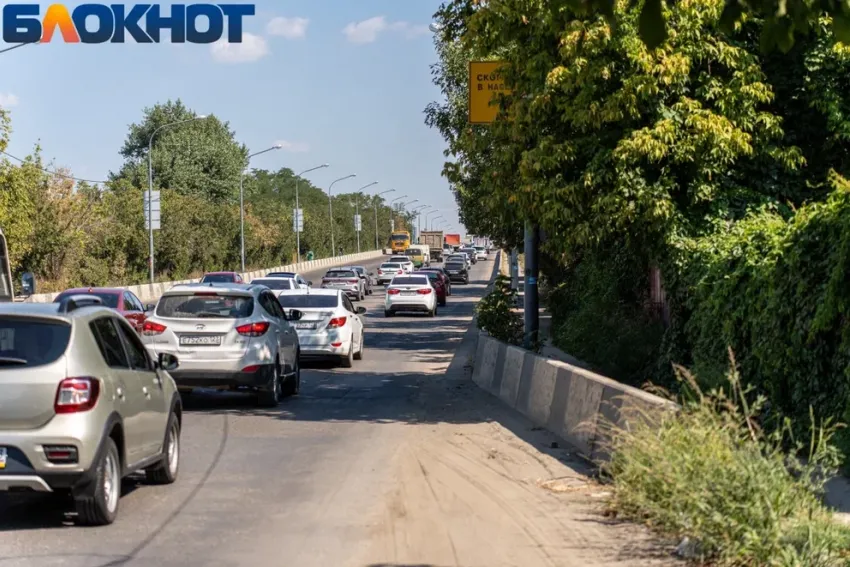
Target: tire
[[101, 507], [165, 472], [359, 354], [347, 361], [292, 386], [271, 397]]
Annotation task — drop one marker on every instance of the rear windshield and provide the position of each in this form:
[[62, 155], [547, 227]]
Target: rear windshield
[[413, 252], [390, 266], [431, 275], [274, 284], [341, 274], [109, 299], [397, 259], [408, 280], [26, 342], [308, 301], [455, 266], [192, 306], [281, 275], [219, 278]]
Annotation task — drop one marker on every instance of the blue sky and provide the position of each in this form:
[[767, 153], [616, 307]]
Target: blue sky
[[335, 81]]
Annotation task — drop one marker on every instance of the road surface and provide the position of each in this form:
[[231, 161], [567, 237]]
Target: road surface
[[400, 461]]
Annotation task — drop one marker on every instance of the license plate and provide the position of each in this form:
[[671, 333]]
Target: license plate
[[309, 326], [408, 293], [3, 456], [201, 340]]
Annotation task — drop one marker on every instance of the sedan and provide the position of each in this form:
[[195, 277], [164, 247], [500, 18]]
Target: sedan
[[299, 280], [388, 271], [121, 300], [438, 285], [329, 327], [365, 275], [444, 277], [462, 258], [222, 277], [457, 271], [347, 280], [406, 263], [411, 293]]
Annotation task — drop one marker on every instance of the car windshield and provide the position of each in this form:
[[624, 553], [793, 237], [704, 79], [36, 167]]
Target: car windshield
[[109, 299], [360, 270], [454, 266], [219, 278], [400, 237], [26, 341], [341, 274], [456, 258], [431, 275], [274, 284], [205, 306], [480, 248], [413, 252], [281, 275], [410, 280], [400, 260], [308, 301], [390, 266]]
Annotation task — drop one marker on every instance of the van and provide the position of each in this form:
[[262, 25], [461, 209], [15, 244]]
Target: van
[[419, 254]]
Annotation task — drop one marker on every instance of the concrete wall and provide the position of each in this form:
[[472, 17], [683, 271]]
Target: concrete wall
[[151, 292], [575, 404]]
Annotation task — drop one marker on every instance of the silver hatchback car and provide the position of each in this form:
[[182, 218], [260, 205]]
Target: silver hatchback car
[[82, 405], [227, 336]]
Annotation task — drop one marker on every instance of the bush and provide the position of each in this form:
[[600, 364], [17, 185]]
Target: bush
[[496, 315], [710, 473]]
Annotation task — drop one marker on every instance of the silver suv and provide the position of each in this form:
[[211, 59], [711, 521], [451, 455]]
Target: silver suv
[[228, 336], [82, 405]]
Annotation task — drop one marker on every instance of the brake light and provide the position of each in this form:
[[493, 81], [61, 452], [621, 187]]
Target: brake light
[[401, 271], [76, 394], [250, 369], [380, 271], [392, 292], [352, 281], [150, 329], [337, 322], [425, 291], [253, 329], [206, 293]]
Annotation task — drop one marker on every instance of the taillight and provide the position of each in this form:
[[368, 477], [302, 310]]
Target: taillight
[[150, 329], [400, 271], [253, 329], [379, 271], [61, 454], [425, 291], [352, 281], [392, 292], [337, 322], [76, 394]]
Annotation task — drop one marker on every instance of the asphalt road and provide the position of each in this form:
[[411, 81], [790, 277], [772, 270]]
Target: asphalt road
[[399, 461]]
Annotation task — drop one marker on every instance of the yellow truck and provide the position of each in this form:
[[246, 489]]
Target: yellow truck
[[400, 241]]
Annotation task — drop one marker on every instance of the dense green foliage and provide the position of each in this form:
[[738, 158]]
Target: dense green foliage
[[73, 234], [707, 157], [496, 313]]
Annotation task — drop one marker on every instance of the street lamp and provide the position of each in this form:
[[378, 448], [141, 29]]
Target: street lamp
[[357, 212], [331, 210], [296, 223], [418, 210], [430, 213], [392, 207], [376, 213], [242, 202], [150, 182], [434, 219]]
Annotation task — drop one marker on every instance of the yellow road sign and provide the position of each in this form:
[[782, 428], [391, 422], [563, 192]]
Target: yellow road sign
[[485, 81]]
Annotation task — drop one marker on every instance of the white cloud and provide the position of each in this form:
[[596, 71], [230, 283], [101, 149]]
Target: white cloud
[[252, 48], [290, 28], [8, 99], [293, 147], [368, 31]]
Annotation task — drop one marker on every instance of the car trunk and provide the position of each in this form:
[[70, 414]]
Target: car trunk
[[27, 395], [313, 319]]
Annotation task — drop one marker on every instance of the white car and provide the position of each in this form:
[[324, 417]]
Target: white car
[[406, 263], [277, 284], [297, 278], [480, 253], [388, 271], [410, 293], [330, 326]]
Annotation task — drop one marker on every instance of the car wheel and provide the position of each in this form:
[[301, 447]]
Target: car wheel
[[165, 472], [101, 507], [270, 397], [348, 360], [359, 354], [293, 385]]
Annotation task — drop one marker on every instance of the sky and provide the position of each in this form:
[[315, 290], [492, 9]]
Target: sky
[[333, 81]]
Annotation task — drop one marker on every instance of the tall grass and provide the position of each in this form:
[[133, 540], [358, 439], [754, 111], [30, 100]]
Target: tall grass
[[710, 473]]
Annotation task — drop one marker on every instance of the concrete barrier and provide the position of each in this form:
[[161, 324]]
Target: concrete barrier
[[575, 404], [151, 292]]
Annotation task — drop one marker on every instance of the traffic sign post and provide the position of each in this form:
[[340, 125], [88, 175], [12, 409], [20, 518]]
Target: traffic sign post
[[357, 225], [297, 220], [152, 208], [485, 82]]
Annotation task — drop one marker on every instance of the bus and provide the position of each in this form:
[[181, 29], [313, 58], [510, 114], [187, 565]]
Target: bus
[[399, 241]]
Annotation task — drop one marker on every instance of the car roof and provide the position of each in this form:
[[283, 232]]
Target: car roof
[[226, 287], [220, 273], [85, 290], [282, 274], [285, 278], [311, 291], [51, 311]]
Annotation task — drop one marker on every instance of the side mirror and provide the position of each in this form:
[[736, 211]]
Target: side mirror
[[27, 284], [167, 362], [150, 307], [294, 315], [361, 310]]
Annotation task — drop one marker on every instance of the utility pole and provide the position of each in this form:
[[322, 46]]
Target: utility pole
[[531, 303]]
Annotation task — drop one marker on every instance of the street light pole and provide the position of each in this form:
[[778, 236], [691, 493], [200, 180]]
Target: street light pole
[[376, 214], [357, 212], [434, 219], [428, 214], [392, 207], [297, 209], [242, 203], [150, 183], [331, 210]]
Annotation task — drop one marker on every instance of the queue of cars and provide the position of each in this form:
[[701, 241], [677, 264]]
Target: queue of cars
[[90, 384]]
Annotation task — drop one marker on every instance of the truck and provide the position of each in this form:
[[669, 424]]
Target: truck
[[399, 241], [7, 288], [434, 240], [453, 240]]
